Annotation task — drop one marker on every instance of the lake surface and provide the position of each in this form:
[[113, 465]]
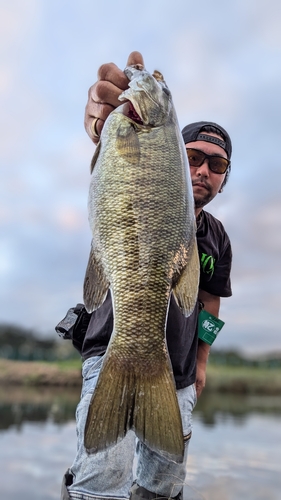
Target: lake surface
[[235, 451]]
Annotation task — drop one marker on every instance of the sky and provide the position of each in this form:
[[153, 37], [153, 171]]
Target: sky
[[221, 61]]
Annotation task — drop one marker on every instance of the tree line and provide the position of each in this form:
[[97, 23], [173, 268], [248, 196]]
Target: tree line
[[19, 343], [24, 344]]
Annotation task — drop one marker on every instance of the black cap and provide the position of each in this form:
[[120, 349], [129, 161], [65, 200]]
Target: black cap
[[192, 133]]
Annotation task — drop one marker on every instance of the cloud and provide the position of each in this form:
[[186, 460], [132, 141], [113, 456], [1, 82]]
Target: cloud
[[221, 62]]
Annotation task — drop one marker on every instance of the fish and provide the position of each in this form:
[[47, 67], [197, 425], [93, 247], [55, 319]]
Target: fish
[[141, 213]]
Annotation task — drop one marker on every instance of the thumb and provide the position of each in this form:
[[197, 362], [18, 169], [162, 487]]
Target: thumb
[[135, 58]]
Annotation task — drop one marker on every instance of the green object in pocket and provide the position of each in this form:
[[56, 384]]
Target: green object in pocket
[[208, 327]]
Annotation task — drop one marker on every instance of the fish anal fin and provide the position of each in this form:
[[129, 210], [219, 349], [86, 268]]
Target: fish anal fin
[[95, 283], [186, 288], [126, 398]]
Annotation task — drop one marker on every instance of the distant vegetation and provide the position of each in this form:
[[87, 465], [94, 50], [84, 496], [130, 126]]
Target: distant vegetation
[[17, 343], [55, 362], [235, 359]]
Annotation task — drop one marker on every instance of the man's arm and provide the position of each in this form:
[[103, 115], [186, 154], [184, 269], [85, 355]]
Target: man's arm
[[103, 95], [211, 305]]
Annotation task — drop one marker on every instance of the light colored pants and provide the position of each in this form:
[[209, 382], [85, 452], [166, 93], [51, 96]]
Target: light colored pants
[[109, 474]]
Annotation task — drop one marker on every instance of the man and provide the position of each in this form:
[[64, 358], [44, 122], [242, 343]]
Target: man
[[108, 474]]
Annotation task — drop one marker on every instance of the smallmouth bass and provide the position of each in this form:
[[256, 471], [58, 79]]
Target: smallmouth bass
[[141, 213]]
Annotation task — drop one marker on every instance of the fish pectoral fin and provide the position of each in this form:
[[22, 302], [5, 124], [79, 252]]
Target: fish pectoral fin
[[95, 284], [127, 143], [128, 397], [186, 289], [95, 157]]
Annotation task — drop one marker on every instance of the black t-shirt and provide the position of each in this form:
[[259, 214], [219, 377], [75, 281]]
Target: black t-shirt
[[181, 333]]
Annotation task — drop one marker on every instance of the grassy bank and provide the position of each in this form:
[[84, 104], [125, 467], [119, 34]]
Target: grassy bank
[[237, 380], [243, 380], [36, 373]]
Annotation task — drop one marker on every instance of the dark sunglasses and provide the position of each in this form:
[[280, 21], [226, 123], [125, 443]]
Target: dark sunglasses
[[217, 164]]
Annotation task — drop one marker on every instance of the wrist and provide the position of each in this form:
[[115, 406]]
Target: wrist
[[203, 352]]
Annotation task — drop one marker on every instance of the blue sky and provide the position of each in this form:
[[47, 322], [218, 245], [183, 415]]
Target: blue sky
[[221, 61]]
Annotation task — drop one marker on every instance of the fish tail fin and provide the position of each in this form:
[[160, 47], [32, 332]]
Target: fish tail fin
[[157, 418], [126, 398]]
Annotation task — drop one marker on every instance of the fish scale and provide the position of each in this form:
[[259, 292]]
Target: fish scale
[[141, 213]]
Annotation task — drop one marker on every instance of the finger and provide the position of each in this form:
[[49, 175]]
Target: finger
[[111, 73], [99, 126], [135, 58], [112, 81], [103, 95], [199, 387], [102, 99], [96, 110], [105, 92], [95, 130]]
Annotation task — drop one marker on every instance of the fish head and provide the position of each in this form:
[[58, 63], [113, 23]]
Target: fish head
[[149, 96]]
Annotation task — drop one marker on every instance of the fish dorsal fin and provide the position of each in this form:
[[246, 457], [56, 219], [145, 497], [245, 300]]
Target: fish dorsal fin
[[186, 289], [95, 157]]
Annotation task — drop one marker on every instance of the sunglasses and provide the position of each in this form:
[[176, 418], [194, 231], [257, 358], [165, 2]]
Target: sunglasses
[[217, 164]]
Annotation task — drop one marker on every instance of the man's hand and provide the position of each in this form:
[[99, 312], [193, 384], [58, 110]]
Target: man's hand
[[200, 377], [103, 95]]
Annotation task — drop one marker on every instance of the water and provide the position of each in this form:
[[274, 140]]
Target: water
[[235, 450]]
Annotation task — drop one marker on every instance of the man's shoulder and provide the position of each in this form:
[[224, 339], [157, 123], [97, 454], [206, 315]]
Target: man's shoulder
[[214, 224], [211, 218], [211, 235], [215, 256]]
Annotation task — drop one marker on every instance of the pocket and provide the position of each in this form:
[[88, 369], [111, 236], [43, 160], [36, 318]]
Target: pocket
[[187, 401], [91, 366], [194, 394], [90, 373]]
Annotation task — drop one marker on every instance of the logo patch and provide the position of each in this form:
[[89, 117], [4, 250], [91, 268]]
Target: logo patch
[[208, 264]]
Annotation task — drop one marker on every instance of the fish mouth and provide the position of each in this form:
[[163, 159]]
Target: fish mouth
[[133, 115]]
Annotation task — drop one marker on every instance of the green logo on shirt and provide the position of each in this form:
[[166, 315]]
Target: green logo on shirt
[[208, 264]]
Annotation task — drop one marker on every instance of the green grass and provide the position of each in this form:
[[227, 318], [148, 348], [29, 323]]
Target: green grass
[[244, 379], [223, 378], [67, 364], [220, 378]]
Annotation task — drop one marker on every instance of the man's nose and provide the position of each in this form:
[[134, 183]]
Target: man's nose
[[203, 170]]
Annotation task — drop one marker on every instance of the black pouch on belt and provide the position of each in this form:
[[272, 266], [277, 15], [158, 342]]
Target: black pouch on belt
[[74, 325]]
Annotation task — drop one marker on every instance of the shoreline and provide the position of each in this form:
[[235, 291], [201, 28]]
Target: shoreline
[[39, 373], [222, 379]]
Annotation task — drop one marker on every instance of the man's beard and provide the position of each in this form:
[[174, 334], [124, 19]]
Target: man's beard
[[203, 200], [201, 203]]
